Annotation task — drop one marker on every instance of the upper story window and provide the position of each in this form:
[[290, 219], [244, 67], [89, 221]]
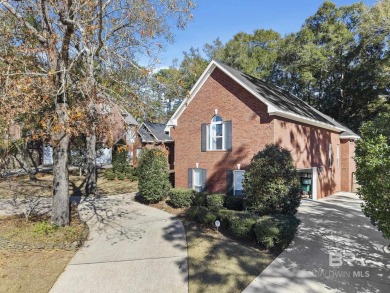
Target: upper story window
[[216, 134]]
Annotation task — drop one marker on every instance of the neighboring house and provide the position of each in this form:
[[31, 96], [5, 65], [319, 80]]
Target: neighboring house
[[124, 126], [229, 116], [152, 135]]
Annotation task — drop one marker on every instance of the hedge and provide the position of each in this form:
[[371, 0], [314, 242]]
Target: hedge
[[215, 201], [276, 231], [201, 215], [200, 199], [179, 197], [235, 203]]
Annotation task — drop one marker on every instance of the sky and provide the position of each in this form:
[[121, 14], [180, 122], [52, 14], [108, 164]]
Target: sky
[[225, 18]]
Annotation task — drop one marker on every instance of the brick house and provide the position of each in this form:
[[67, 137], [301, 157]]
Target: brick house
[[229, 116], [153, 135]]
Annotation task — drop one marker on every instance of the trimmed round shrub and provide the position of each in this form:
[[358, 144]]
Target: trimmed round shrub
[[235, 203], [180, 197], [271, 183], [153, 176], [200, 199], [215, 201], [277, 231], [201, 215]]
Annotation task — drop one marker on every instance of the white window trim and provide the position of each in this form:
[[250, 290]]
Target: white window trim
[[193, 178], [209, 137], [234, 180], [338, 155]]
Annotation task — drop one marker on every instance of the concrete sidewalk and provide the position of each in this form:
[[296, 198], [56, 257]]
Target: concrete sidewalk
[[329, 226], [131, 248]]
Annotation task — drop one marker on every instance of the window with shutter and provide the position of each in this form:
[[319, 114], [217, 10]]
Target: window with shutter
[[217, 135]]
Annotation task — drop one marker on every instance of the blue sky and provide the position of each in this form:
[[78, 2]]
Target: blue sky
[[225, 18]]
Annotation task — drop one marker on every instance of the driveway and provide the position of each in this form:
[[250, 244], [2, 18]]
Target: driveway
[[336, 249], [131, 248]]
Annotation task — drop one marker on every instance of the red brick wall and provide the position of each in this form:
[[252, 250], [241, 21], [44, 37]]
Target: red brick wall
[[347, 164], [252, 129], [309, 148]]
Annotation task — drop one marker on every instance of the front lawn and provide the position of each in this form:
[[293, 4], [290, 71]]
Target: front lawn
[[33, 253], [217, 262], [21, 186]]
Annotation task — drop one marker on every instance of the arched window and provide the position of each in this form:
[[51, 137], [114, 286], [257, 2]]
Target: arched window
[[216, 133]]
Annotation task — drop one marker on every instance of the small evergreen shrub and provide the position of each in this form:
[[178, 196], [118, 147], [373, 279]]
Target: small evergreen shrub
[[239, 223], [271, 183], [201, 215], [119, 157], [277, 231], [180, 198], [45, 228], [242, 227], [215, 201], [200, 199], [121, 176], [235, 203], [109, 175], [153, 176]]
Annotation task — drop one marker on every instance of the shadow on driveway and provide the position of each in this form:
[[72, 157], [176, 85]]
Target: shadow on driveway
[[336, 250]]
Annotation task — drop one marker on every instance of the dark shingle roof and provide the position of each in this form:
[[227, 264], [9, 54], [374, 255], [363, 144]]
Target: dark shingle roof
[[129, 119], [153, 132], [280, 98], [348, 133]]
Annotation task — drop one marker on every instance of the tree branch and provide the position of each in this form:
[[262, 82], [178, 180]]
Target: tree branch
[[20, 18]]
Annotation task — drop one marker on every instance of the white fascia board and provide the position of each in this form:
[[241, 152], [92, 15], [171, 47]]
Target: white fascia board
[[309, 121], [354, 137], [173, 120], [271, 108]]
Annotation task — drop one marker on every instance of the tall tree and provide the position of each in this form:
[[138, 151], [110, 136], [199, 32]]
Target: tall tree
[[70, 42]]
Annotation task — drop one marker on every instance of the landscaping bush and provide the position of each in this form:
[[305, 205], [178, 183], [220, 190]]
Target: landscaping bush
[[215, 201], [271, 183], [200, 199], [235, 203], [109, 175], [153, 176], [119, 158], [121, 176], [277, 231], [239, 223], [180, 198], [242, 227], [201, 215]]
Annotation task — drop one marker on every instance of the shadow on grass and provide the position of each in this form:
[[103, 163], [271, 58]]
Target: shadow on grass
[[218, 263]]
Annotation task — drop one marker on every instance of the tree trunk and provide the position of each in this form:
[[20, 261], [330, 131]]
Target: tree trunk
[[60, 209], [91, 180]]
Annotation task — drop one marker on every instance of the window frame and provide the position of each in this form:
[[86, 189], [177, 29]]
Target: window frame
[[338, 155], [210, 136], [234, 182]]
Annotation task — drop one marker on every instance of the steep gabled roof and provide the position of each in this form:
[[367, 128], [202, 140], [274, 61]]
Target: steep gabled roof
[[153, 132], [279, 102]]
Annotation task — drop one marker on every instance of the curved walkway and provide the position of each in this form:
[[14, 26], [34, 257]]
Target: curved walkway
[[331, 226], [131, 248]]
